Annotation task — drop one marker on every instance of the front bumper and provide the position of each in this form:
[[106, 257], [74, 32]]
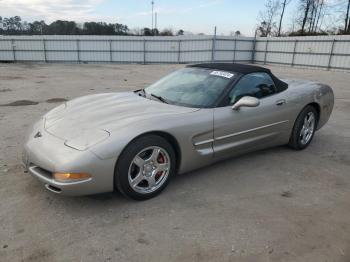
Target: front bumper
[[47, 154], [67, 188]]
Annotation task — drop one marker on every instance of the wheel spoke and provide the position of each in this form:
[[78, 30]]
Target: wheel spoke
[[155, 154], [311, 119], [139, 161], [139, 177], [151, 181], [302, 131], [162, 167], [304, 138]]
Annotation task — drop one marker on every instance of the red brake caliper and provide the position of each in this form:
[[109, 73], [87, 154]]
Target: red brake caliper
[[160, 160]]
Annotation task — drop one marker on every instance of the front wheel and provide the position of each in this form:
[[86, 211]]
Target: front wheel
[[145, 167], [304, 128]]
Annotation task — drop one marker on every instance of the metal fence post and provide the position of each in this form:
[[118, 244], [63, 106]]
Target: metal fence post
[[144, 51], [213, 48], [253, 50], [179, 52], [44, 49], [110, 51], [78, 50], [294, 50], [13, 50], [331, 55], [234, 50], [267, 43]]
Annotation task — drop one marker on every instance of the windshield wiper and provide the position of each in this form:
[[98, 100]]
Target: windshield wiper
[[159, 98], [141, 92]]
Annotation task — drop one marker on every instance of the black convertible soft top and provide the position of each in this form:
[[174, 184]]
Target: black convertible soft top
[[243, 69]]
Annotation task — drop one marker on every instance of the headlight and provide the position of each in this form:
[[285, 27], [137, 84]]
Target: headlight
[[87, 139], [55, 113]]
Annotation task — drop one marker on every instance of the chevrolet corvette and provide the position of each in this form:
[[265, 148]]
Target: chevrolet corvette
[[136, 141]]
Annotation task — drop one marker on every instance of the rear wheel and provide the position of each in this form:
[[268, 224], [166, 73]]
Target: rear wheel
[[145, 167], [304, 128]]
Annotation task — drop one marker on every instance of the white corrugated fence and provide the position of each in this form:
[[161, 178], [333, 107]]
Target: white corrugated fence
[[329, 52]]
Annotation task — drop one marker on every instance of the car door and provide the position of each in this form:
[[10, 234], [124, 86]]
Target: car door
[[249, 128]]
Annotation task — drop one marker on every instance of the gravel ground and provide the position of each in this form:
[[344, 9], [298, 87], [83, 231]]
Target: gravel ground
[[272, 205]]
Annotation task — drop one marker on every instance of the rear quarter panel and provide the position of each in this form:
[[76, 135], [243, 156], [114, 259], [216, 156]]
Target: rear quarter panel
[[300, 93]]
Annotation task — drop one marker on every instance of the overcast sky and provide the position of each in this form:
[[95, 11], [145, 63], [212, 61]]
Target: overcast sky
[[197, 16]]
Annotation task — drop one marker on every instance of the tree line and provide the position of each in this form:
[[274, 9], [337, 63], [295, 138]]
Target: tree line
[[310, 18], [15, 26]]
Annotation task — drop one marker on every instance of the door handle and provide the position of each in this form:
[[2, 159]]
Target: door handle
[[280, 102]]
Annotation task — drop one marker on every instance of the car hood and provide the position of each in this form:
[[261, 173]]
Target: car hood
[[94, 114]]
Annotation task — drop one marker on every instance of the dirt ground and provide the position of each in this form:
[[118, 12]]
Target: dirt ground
[[272, 205]]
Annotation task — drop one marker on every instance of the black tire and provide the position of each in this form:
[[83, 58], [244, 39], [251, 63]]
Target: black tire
[[295, 140], [121, 180]]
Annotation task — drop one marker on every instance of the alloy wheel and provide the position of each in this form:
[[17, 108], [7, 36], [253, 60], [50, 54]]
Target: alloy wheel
[[149, 169], [308, 128]]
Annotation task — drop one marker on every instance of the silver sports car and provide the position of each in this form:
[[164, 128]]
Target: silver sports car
[[136, 141]]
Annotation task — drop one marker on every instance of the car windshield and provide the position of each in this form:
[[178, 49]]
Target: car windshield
[[192, 87]]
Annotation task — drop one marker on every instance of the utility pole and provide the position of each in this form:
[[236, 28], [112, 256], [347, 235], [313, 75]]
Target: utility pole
[[155, 21], [152, 3]]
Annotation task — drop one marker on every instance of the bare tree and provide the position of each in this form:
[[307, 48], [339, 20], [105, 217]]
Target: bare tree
[[347, 20], [313, 10], [306, 6], [312, 14], [267, 17], [284, 4], [320, 10]]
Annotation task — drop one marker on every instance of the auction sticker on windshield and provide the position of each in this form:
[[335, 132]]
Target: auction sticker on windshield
[[222, 74]]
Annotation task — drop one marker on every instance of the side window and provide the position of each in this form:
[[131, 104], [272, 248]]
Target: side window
[[257, 85]]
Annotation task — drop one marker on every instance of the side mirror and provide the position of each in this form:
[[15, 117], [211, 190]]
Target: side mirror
[[247, 101]]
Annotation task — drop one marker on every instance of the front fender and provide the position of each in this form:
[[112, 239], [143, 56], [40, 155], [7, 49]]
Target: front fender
[[186, 129]]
